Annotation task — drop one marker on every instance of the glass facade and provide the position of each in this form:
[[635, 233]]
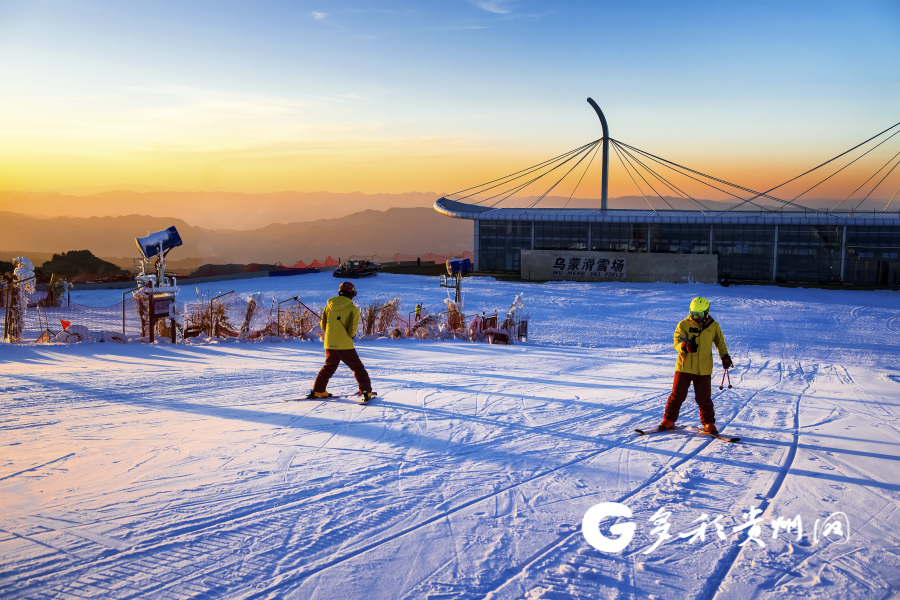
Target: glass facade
[[619, 237], [560, 236], [679, 238], [809, 253], [871, 256], [499, 243], [747, 252]]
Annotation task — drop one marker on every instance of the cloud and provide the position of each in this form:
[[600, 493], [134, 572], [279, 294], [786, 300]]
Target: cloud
[[317, 15], [499, 7]]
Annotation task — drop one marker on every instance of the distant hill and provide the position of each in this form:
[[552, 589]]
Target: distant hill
[[212, 210], [78, 265], [413, 231]]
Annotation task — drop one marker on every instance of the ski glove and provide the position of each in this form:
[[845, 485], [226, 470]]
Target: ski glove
[[726, 362], [690, 346]]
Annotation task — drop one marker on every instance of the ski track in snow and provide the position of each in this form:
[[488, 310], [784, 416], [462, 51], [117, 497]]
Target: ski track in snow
[[135, 471]]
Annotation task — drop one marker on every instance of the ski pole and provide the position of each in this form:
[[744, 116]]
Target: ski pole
[[722, 385]]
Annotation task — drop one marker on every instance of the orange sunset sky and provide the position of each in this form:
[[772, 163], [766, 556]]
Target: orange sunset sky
[[401, 96]]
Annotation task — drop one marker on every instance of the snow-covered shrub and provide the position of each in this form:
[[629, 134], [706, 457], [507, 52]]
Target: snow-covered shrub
[[514, 319], [429, 328], [19, 291], [209, 317], [455, 318], [368, 318], [253, 301], [388, 316], [297, 321]]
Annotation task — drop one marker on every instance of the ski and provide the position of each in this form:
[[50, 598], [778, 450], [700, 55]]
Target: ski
[[733, 440], [358, 396], [657, 430]]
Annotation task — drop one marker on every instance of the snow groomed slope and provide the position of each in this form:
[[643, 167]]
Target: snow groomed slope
[[138, 471]]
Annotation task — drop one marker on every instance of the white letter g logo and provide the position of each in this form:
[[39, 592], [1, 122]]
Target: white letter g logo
[[590, 527]]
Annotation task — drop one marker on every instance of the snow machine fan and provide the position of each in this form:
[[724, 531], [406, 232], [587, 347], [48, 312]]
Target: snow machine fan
[[456, 269], [157, 245]]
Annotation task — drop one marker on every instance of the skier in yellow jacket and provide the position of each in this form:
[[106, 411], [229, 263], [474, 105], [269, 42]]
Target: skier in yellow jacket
[[694, 339], [340, 320]]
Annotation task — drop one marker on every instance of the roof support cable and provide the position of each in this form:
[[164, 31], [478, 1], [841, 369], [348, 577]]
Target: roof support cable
[[658, 195], [672, 187], [831, 160], [513, 176], [522, 186], [742, 188], [845, 166], [513, 190], [879, 182], [671, 165], [886, 206], [586, 169], [636, 184], [544, 195]]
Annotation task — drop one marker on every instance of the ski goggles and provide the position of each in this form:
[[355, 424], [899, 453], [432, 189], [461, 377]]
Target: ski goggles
[[698, 314]]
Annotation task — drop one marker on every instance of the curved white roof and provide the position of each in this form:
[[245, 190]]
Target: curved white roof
[[462, 210]]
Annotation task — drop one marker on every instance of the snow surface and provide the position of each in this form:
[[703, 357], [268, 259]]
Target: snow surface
[[178, 471]]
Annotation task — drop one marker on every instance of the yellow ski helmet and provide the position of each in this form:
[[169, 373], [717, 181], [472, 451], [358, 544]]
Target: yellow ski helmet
[[699, 307]]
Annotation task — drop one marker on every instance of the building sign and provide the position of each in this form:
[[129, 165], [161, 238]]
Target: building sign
[[588, 267]]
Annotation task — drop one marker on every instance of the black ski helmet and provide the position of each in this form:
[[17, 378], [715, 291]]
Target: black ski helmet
[[347, 289]]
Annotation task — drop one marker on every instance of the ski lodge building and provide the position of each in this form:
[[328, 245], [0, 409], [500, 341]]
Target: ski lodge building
[[788, 244]]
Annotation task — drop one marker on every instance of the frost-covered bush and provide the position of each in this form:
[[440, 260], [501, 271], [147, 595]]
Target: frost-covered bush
[[368, 318], [455, 317], [253, 301], [20, 289], [59, 287]]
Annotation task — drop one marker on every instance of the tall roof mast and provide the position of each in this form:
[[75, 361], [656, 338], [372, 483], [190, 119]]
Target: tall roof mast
[[605, 180]]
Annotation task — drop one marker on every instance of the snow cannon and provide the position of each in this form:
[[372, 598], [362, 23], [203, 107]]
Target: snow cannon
[[157, 290], [157, 245], [462, 266], [456, 268], [159, 242]]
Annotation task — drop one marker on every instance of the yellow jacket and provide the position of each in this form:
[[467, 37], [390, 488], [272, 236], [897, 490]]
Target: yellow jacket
[[706, 334], [340, 320]]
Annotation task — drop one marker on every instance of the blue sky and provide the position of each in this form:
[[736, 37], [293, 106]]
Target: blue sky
[[391, 96]]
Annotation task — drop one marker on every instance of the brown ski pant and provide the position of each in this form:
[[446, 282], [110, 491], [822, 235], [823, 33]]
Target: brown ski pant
[[333, 358], [702, 393]]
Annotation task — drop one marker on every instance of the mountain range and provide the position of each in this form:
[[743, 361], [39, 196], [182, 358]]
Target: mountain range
[[413, 231], [212, 210]]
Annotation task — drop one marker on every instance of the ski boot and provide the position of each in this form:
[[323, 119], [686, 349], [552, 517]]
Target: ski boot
[[314, 395], [666, 424], [710, 428]]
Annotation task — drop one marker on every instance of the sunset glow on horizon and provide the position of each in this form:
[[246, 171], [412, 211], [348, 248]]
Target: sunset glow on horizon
[[394, 96]]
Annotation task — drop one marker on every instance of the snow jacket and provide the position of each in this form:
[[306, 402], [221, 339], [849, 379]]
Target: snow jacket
[[705, 334], [340, 320]]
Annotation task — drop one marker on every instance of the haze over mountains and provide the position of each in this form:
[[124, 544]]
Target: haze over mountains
[[415, 231], [212, 210]]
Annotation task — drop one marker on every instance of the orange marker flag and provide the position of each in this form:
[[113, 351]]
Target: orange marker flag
[[65, 324]]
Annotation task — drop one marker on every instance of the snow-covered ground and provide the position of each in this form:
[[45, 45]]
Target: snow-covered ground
[[178, 471]]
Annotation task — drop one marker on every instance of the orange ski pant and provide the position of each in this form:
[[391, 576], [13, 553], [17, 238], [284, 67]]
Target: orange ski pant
[[333, 358], [702, 393]]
